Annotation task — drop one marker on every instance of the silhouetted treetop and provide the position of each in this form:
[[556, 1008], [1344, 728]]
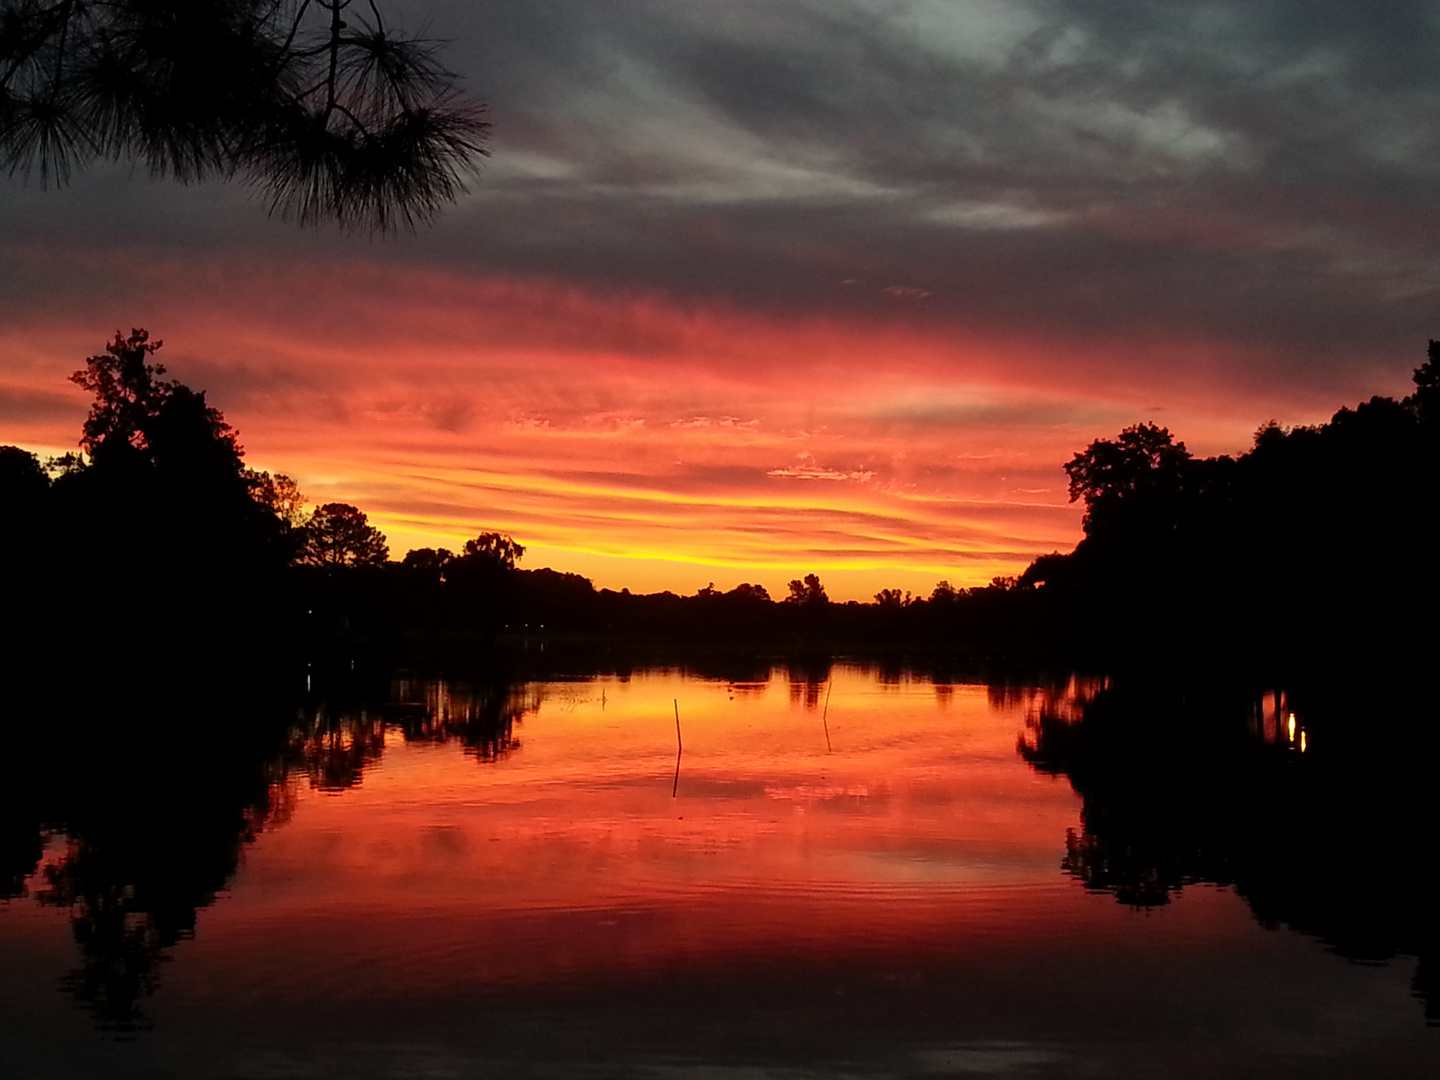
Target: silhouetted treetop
[[339, 535], [141, 420], [494, 547], [1425, 401], [128, 394], [323, 105], [745, 590], [808, 592], [22, 479], [1144, 458], [428, 563], [279, 494]]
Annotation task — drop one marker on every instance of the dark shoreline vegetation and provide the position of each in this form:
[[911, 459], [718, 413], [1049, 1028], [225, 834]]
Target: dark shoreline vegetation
[[179, 635], [1309, 556]]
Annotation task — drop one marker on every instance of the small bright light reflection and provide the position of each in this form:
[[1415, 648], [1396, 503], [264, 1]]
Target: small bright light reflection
[[1302, 742], [1292, 727]]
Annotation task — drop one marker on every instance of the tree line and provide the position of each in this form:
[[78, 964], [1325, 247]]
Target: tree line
[[1308, 556], [1311, 550]]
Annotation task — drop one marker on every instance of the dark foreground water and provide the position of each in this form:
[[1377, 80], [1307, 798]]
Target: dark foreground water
[[852, 876]]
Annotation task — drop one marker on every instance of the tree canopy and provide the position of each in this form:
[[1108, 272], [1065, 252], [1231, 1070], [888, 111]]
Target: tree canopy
[[324, 106], [339, 535], [129, 395], [1425, 401], [495, 547], [1142, 459], [138, 419], [808, 592]]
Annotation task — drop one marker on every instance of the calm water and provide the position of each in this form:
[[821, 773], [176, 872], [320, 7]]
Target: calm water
[[859, 877]]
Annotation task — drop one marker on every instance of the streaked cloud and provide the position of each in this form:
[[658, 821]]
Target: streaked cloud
[[773, 285]]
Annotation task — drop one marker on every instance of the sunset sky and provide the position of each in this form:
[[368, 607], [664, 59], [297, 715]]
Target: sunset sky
[[752, 288]]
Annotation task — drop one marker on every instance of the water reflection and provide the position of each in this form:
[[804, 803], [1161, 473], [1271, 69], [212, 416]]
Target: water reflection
[[131, 835], [1272, 719], [135, 820], [336, 739], [577, 860], [1329, 837], [808, 680], [147, 821]]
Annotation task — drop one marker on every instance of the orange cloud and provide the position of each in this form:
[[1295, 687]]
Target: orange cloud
[[640, 442]]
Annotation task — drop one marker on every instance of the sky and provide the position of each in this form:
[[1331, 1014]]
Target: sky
[[754, 288]]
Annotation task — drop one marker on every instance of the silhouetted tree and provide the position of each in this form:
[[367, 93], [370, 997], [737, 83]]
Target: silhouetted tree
[[495, 547], [155, 528], [279, 494], [1107, 474], [324, 106], [129, 394], [1425, 401], [340, 535], [192, 441], [22, 479], [747, 591], [807, 593], [428, 563], [1176, 546], [26, 547], [140, 423]]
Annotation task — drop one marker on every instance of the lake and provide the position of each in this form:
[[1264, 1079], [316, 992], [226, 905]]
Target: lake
[[843, 870]]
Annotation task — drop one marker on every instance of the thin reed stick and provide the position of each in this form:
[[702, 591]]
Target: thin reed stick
[[679, 749], [825, 714]]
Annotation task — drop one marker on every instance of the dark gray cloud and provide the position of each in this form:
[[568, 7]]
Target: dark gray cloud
[[1258, 176]]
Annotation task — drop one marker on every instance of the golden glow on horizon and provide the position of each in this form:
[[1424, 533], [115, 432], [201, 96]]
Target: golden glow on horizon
[[643, 445]]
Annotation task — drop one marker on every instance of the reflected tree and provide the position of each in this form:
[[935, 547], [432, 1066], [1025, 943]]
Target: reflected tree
[[333, 747], [151, 803], [480, 716], [807, 678], [154, 811], [344, 733], [1133, 758], [1328, 842]]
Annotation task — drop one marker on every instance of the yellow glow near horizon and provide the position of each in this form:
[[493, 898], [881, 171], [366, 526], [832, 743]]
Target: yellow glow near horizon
[[636, 443]]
